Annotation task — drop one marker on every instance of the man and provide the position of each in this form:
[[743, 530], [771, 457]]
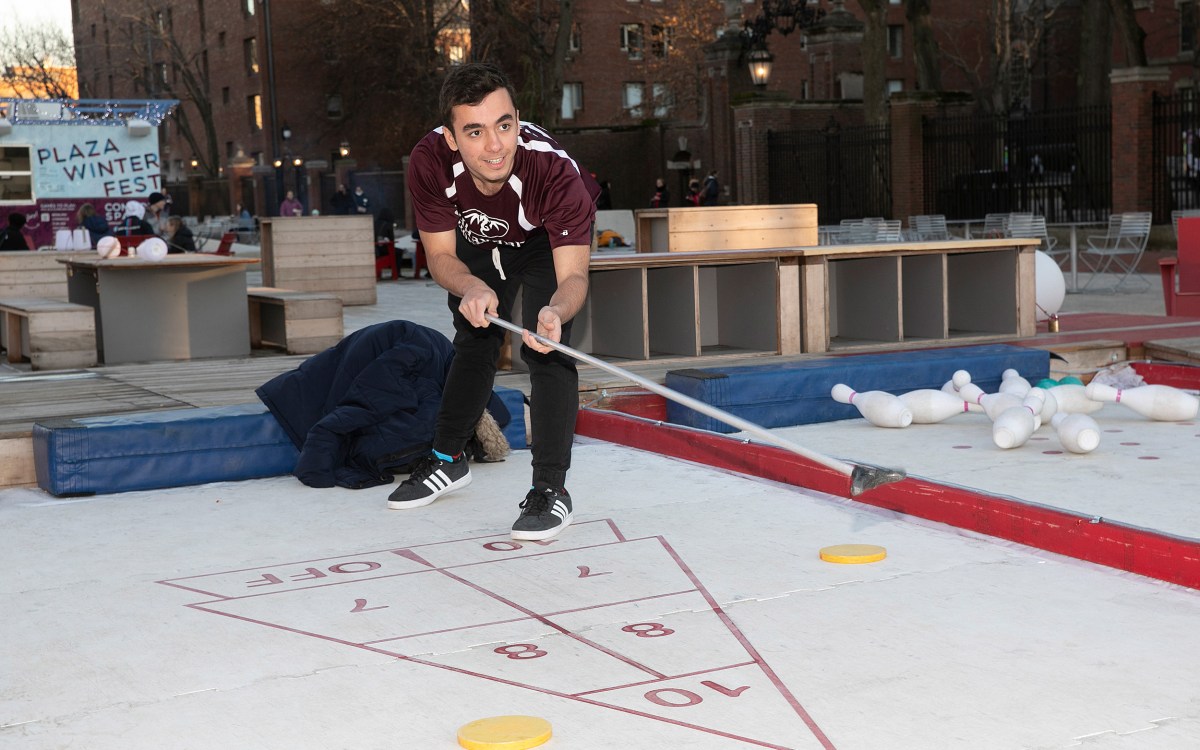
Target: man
[[711, 193], [362, 204], [341, 201], [156, 212], [501, 207], [291, 206]]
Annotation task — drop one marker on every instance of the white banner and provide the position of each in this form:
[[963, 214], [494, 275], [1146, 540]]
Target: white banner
[[90, 161]]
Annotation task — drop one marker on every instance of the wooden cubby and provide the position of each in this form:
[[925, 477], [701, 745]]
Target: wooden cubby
[[652, 306], [700, 228]]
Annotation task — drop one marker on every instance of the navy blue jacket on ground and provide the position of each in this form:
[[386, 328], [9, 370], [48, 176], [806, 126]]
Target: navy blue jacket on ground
[[364, 408]]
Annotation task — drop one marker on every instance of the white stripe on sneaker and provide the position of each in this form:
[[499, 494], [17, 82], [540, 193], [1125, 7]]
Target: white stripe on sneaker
[[559, 509]]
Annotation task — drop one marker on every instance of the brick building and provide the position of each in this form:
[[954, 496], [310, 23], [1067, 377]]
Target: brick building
[[651, 87]]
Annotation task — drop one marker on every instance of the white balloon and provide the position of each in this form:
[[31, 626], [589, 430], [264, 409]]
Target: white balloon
[[1051, 286], [108, 247], [152, 249]]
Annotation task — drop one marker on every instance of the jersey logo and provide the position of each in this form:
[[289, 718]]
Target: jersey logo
[[478, 227]]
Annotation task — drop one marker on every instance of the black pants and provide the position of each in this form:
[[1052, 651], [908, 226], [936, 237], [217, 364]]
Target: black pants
[[554, 400]]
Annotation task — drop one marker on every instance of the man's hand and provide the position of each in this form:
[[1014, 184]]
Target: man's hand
[[478, 300], [549, 325]]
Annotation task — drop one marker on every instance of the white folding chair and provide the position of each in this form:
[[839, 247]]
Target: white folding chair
[[1034, 227], [1119, 249]]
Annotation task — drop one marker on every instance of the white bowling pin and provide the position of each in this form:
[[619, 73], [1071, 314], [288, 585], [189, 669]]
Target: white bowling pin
[[1035, 402], [993, 404], [957, 381], [1049, 406], [1078, 433], [1160, 402], [1012, 382], [929, 406], [880, 408], [1013, 427], [1073, 399]]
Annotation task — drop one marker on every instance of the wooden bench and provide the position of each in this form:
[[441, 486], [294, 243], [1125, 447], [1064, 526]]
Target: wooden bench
[[48, 333], [333, 254], [32, 273], [298, 322], [699, 228]]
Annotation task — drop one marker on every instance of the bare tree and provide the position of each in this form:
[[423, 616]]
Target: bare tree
[[1095, 52], [531, 38], [874, 56], [1000, 71], [675, 58], [1133, 37], [38, 61], [161, 63], [925, 46], [390, 59]]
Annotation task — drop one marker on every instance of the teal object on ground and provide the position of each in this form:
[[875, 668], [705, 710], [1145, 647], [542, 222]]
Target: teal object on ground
[[1046, 383], [1070, 379]]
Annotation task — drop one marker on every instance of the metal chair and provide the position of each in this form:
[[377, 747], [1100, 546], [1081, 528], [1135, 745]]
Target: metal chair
[[1034, 227], [1119, 249], [930, 227]]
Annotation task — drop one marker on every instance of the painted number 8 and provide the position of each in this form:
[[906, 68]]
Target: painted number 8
[[520, 651], [647, 630]]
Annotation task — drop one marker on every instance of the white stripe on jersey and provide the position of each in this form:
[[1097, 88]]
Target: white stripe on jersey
[[459, 168], [543, 146], [518, 187]]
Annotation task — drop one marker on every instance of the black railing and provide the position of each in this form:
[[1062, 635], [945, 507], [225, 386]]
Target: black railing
[[1055, 163], [1176, 153], [847, 172]]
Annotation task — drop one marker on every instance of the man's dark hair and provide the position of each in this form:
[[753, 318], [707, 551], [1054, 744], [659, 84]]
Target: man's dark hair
[[16, 220], [470, 84]]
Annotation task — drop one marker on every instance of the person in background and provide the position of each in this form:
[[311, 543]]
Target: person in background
[[711, 193], [661, 197], [693, 195], [362, 204], [341, 201], [13, 236], [604, 200], [156, 212], [178, 236], [96, 225], [291, 206], [135, 222]]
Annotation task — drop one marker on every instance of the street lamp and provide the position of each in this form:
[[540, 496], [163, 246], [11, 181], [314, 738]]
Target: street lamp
[[760, 61], [784, 16]]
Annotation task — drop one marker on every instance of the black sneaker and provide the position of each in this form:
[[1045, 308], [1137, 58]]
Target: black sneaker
[[431, 478], [544, 512]]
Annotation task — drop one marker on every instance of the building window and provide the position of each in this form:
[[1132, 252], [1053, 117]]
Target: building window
[[894, 85], [1187, 27], [250, 50], [631, 40], [228, 150], [224, 94], [221, 40], [160, 73], [572, 100], [895, 42], [248, 8], [575, 43], [254, 110], [333, 107], [16, 175], [660, 40], [631, 98], [662, 98]]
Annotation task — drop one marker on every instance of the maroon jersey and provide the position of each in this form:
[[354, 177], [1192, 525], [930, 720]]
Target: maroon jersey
[[546, 190]]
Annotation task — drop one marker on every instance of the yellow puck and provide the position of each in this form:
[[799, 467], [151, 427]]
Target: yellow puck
[[853, 554], [504, 733]]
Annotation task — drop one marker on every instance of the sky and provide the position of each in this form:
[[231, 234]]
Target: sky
[[14, 12]]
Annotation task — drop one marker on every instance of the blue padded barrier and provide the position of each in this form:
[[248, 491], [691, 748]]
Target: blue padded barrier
[[792, 393], [514, 401], [152, 450]]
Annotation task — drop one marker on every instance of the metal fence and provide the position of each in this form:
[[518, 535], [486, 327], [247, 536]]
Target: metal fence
[[847, 172], [1176, 153], [1055, 163]]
